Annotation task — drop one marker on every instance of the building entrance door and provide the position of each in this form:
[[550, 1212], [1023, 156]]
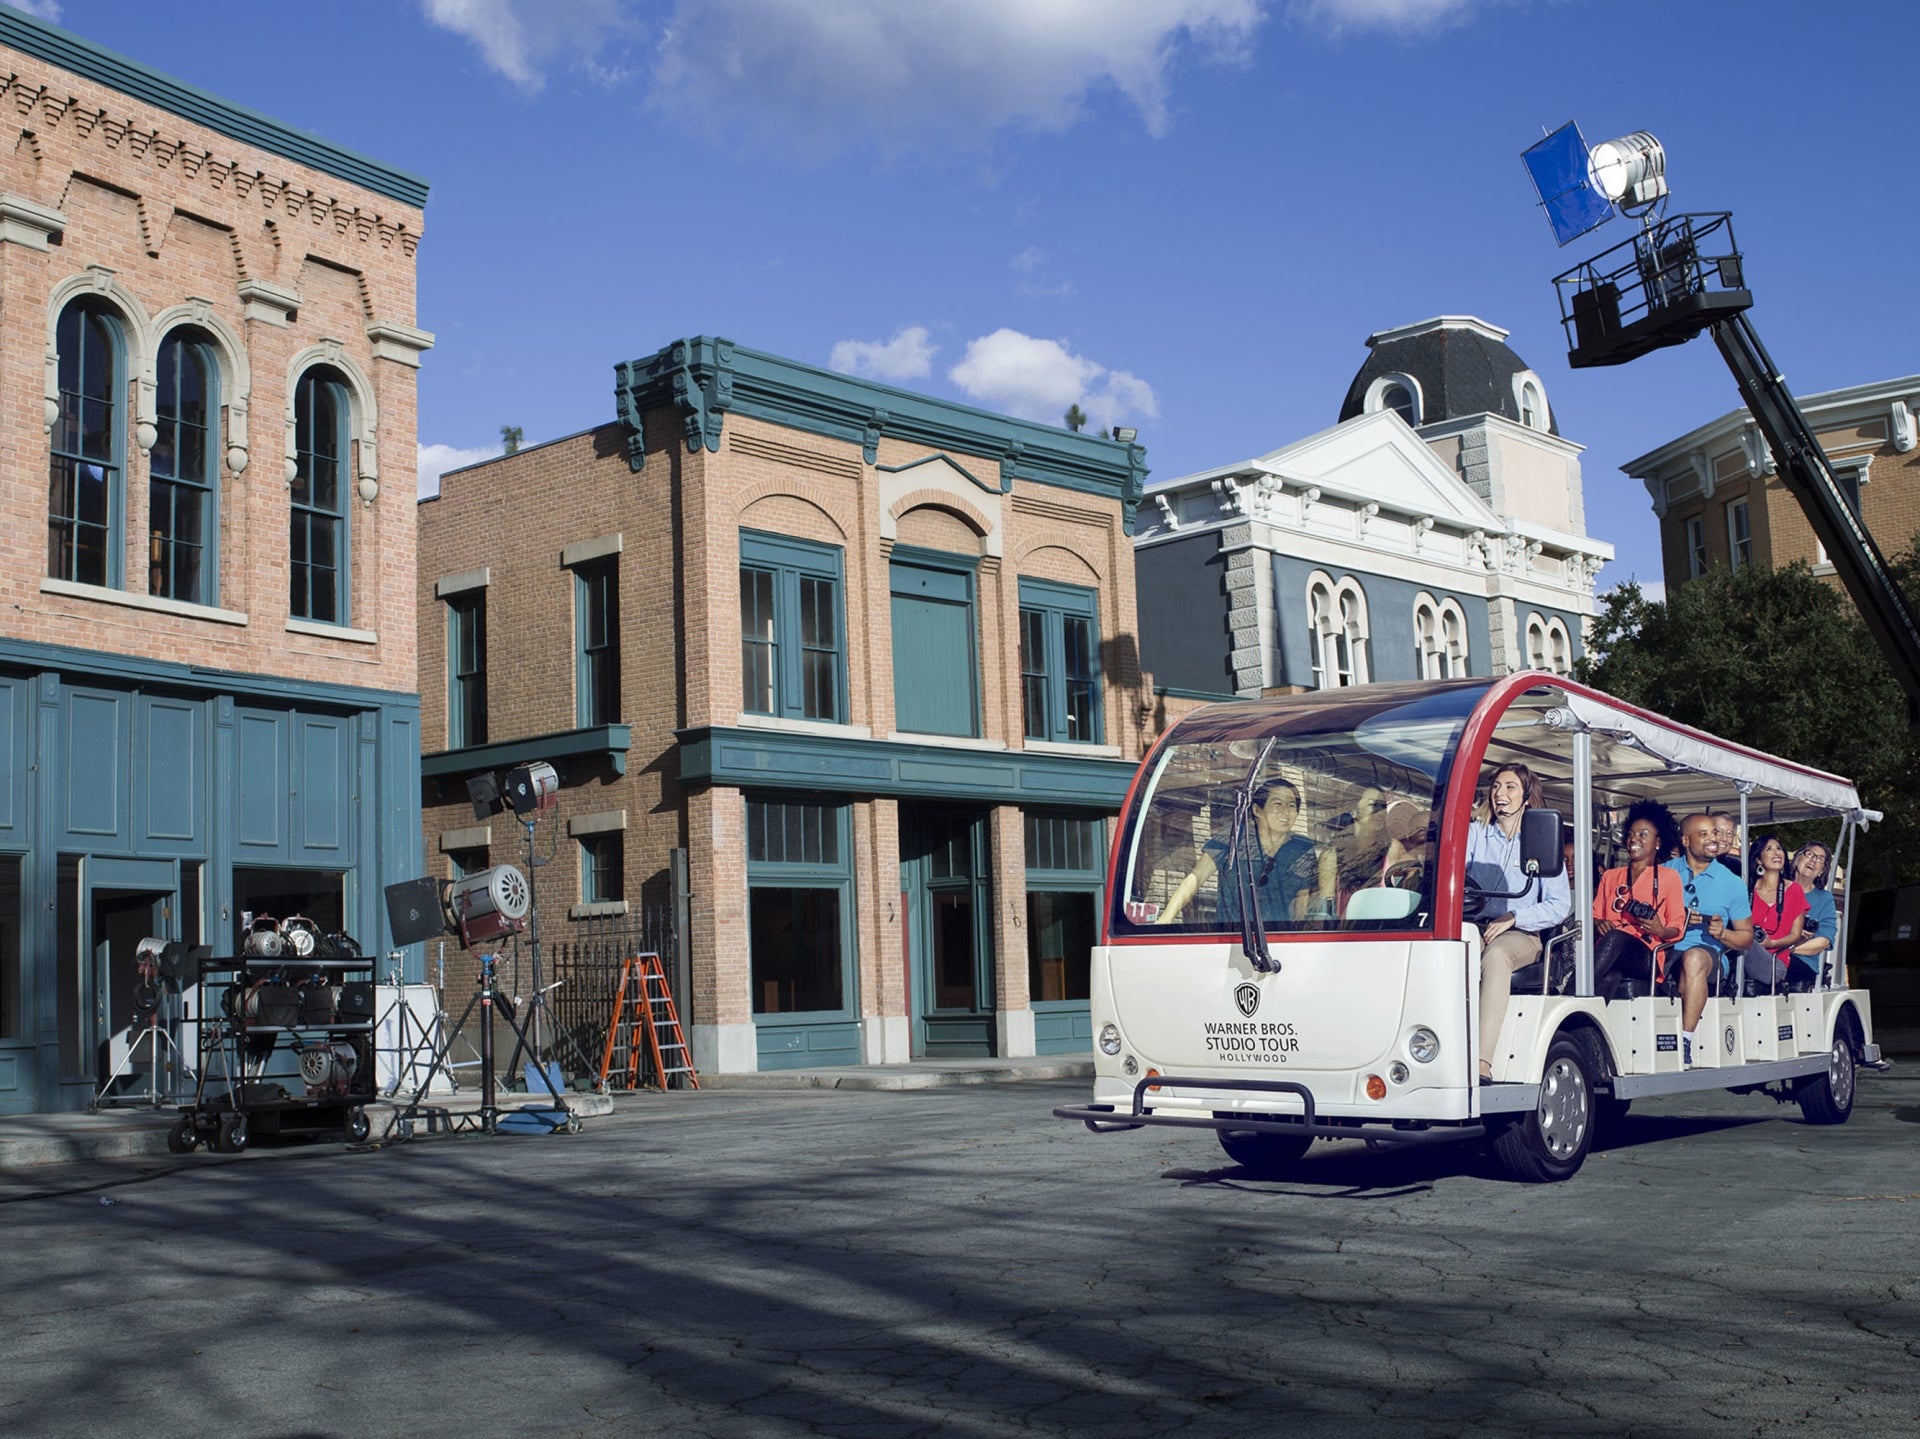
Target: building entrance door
[[121, 919], [944, 868]]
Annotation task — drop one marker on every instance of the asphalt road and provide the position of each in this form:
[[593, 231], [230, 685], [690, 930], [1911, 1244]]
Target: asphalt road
[[957, 1262]]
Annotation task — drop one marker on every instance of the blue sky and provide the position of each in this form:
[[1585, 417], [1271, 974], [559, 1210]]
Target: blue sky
[[1185, 214]]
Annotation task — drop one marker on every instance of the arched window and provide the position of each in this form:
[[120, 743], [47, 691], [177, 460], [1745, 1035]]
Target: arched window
[[182, 543], [1530, 398], [1399, 393], [1453, 638], [317, 552], [1440, 635], [1337, 621], [85, 491], [1537, 643], [1559, 648]]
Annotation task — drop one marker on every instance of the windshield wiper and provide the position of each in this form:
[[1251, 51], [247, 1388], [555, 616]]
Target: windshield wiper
[[1253, 933]]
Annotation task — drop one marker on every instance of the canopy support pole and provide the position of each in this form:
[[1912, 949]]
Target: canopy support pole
[[1582, 859]]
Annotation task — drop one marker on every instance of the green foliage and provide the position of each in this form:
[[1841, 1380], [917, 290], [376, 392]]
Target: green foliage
[[1778, 660], [510, 436], [1076, 417]]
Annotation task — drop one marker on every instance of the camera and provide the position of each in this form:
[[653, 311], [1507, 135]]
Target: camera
[[1640, 911], [1759, 935]]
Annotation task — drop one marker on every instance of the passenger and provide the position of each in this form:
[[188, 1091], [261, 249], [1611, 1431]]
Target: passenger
[[1809, 871], [1719, 918], [1635, 914], [1727, 834], [1286, 868], [1779, 911], [1510, 929]]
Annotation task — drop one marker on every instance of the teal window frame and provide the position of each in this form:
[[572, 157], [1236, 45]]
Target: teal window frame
[[89, 438], [782, 654], [1052, 695], [821, 872], [183, 502], [596, 629], [935, 575], [602, 867], [1081, 873], [322, 480], [467, 669]]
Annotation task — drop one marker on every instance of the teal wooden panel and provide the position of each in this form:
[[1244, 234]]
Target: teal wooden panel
[[1063, 1029], [169, 768], [261, 797], [808, 1046], [13, 758], [932, 666], [95, 768], [322, 788]]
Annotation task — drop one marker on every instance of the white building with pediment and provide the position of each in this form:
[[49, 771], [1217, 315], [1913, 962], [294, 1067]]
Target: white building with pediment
[[1438, 529]]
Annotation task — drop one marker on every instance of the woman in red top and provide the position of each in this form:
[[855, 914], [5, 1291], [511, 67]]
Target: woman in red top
[[1779, 915], [1639, 910]]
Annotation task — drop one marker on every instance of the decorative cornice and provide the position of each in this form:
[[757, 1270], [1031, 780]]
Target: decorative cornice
[[706, 378], [23, 222], [268, 303], [402, 344], [610, 740], [93, 62]]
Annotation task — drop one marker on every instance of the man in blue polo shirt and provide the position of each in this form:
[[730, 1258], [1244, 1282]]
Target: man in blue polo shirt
[[1719, 918]]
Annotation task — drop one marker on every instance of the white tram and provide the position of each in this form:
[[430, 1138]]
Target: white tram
[[1350, 1008]]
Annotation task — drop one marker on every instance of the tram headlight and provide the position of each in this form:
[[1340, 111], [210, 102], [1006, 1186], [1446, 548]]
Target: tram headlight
[[1109, 1039], [1423, 1044]]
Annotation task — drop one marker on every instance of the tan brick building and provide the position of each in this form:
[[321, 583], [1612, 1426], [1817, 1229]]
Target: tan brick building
[[867, 658], [207, 391], [1721, 502]]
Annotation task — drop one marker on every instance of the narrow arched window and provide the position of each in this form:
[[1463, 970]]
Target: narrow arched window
[[1399, 399], [84, 490], [1536, 644], [317, 553], [1559, 649], [1453, 640], [1353, 635], [182, 549], [1320, 628]]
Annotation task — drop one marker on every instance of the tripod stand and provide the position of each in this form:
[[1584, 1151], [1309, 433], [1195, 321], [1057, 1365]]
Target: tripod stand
[[414, 1036], [533, 1045], [156, 1036]]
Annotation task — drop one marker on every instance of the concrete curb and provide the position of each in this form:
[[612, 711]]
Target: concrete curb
[[902, 1077]]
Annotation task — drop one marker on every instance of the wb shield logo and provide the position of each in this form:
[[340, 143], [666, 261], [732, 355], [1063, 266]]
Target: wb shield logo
[[1247, 996]]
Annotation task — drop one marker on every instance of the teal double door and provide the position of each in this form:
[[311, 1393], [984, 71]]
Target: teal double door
[[948, 901]]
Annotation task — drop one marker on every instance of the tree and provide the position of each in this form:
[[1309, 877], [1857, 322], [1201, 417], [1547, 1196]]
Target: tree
[[510, 439], [1076, 417], [1778, 660]]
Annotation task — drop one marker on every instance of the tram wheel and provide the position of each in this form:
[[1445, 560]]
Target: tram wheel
[[1264, 1156], [1828, 1098], [1549, 1143]]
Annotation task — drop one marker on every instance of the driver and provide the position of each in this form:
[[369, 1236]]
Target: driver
[[1510, 929], [1286, 865]]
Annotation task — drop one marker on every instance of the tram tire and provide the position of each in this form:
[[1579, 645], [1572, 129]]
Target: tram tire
[[183, 1138], [1549, 1143], [1264, 1156], [1828, 1098]]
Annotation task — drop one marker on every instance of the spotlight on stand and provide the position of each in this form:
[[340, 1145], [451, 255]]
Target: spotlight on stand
[[531, 788], [489, 904]]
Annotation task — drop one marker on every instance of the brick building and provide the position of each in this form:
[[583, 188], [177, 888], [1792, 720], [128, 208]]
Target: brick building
[[865, 658], [1720, 500], [207, 658]]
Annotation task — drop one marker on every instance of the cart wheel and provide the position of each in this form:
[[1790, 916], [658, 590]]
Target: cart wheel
[[232, 1138], [357, 1127], [183, 1138], [573, 1123]]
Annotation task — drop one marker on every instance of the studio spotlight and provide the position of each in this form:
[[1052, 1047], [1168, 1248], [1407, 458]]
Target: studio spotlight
[[1629, 171], [489, 904], [531, 788]]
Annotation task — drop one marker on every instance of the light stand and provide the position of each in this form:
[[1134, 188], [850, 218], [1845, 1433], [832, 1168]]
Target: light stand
[[158, 962]]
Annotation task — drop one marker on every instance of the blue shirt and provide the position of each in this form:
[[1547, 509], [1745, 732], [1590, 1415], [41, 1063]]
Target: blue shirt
[[1493, 864], [1278, 878], [1823, 922], [1715, 890]]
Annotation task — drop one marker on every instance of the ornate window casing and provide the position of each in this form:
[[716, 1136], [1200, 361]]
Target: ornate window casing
[[1337, 630], [318, 554], [1530, 401], [792, 629], [1549, 644], [1739, 534], [1399, 393], [183, 499], [1440, 637], [1059, 663], [86, 478]]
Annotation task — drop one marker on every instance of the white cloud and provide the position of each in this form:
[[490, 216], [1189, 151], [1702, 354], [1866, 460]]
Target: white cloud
[[907, 356], [813, 71], [435, 460], [1407, 18], [520, 38], [47, 10], [1038, 379], [1027, 259]]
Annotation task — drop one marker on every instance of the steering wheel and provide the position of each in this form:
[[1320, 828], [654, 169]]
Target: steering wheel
[[1408, 874]]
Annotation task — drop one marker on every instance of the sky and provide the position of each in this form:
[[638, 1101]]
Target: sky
[[1182, 215]]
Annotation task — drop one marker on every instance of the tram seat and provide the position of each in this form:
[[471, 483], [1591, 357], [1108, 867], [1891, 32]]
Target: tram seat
[[1559, 953]]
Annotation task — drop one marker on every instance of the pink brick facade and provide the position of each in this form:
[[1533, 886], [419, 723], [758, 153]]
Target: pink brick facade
[[674, 527]]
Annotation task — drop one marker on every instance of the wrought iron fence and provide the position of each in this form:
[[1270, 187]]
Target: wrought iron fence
[[581, 971]]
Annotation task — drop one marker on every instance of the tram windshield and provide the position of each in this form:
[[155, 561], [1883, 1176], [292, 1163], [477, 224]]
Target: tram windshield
[[1337, 795]]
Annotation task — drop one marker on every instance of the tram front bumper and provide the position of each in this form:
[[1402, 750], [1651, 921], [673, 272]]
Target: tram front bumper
[[1109, 1119]]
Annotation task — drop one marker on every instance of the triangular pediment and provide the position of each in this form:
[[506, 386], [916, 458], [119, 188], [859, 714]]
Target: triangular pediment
[[1378, 458]]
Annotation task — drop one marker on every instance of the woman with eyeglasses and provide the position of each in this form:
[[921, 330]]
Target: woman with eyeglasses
[[1809, 870], [1779, 915], [1639, 908]]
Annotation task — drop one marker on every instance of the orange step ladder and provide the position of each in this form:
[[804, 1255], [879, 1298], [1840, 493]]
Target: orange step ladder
[[646, 1021]]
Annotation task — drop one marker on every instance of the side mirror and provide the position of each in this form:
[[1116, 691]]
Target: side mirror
[[1542, 844]]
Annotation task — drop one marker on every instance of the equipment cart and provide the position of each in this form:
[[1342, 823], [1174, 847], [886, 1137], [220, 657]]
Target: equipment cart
[[286, 1047]]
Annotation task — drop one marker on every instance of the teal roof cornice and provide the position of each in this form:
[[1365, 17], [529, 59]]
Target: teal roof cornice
[[58, 47], [706, 378], [611, 741], [779, 759]]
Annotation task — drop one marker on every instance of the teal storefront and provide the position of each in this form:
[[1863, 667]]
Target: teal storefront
[[142, 798]]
